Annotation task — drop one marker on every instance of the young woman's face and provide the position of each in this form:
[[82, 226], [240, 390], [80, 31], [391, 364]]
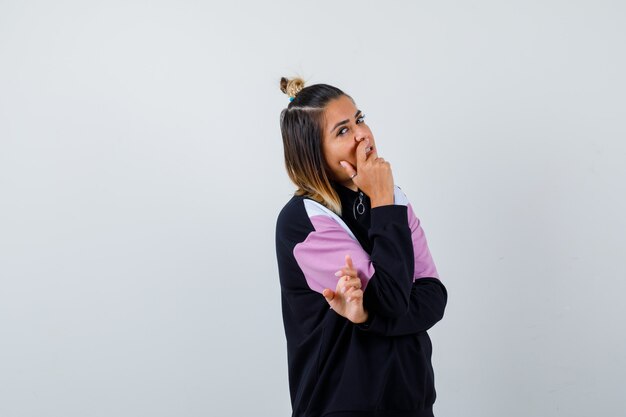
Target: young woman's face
[[344, 127]]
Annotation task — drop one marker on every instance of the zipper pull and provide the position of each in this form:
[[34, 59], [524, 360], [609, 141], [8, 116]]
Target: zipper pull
[[360, 208]]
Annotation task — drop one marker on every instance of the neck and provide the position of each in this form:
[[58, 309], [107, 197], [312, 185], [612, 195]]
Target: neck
[[350, 184]]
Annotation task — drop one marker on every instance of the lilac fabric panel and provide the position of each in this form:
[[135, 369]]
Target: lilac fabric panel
[[323, 253], [424, 264]]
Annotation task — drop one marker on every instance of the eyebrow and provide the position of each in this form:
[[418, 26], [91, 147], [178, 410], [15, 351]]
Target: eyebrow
[[343, 122]]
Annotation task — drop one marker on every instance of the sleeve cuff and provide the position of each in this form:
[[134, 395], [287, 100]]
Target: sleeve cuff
[[396, 213]]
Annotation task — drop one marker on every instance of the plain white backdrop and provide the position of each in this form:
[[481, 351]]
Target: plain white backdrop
[[141, 173]]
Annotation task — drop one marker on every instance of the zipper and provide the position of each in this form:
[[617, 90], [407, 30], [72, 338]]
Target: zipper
[[360, 207]]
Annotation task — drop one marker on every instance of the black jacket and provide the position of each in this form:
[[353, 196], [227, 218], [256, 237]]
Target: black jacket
[[378, 368]]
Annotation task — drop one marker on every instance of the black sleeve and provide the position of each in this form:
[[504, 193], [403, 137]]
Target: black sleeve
[[427, 304], [387, 292]]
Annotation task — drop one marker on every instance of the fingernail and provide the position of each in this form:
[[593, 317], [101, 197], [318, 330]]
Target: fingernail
[[338, 273], [342, 163]]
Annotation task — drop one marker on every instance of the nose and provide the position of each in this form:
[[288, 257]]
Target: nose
[[360, 134]]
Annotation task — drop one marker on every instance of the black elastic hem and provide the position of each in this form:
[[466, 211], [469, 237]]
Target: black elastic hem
[[382, 413]]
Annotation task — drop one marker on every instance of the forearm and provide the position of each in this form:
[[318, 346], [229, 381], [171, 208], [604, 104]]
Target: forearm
[[427, 304], [393, 260]]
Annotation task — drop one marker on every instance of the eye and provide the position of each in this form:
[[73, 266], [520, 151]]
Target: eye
[[342, 131], [361, 119]]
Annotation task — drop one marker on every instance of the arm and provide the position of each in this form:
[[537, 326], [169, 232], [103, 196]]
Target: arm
[[400, 254], [423, 267], [428, 294], [389, 291], [427, 305], [386, 274]]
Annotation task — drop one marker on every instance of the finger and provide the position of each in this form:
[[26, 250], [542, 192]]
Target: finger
[[347, 166], [339, 288], [341, 283], [349, 261], [373, 152], [356, 295], [353, 282], [345, 271], [349, 291], [348, 294], [370, 148], [362, 151], [349, 282], [356, 292], [332, 298]]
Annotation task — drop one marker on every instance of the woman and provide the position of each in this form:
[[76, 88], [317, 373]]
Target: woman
[[359, 287]]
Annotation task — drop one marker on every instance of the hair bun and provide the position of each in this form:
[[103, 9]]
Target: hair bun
[[291, 87]]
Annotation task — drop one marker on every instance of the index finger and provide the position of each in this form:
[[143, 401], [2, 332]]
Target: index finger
[[361, 151], [349, 261]]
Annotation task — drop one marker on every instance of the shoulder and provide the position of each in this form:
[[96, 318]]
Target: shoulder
[[292, 223], [300, 209], [292, 211], [302, 215]]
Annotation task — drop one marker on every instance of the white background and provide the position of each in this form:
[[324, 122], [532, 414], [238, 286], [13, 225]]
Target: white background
[[141, 173]]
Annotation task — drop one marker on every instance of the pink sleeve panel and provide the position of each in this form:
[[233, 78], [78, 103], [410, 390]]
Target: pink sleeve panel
[[424, 264], [323, 253]]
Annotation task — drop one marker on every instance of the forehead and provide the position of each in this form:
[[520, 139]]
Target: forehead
[[339, 109]]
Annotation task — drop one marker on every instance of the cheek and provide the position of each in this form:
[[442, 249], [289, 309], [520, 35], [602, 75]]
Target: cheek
[[327, 153], [340, 150], [334, 152]]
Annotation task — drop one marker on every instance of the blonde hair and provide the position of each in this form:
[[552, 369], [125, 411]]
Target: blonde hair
[[291, 87], [301, 125]]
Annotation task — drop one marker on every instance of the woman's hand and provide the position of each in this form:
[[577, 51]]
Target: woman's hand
[[347, 299], [372, 174]]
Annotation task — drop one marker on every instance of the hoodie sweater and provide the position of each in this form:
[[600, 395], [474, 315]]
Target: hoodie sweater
[[378, 368]]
